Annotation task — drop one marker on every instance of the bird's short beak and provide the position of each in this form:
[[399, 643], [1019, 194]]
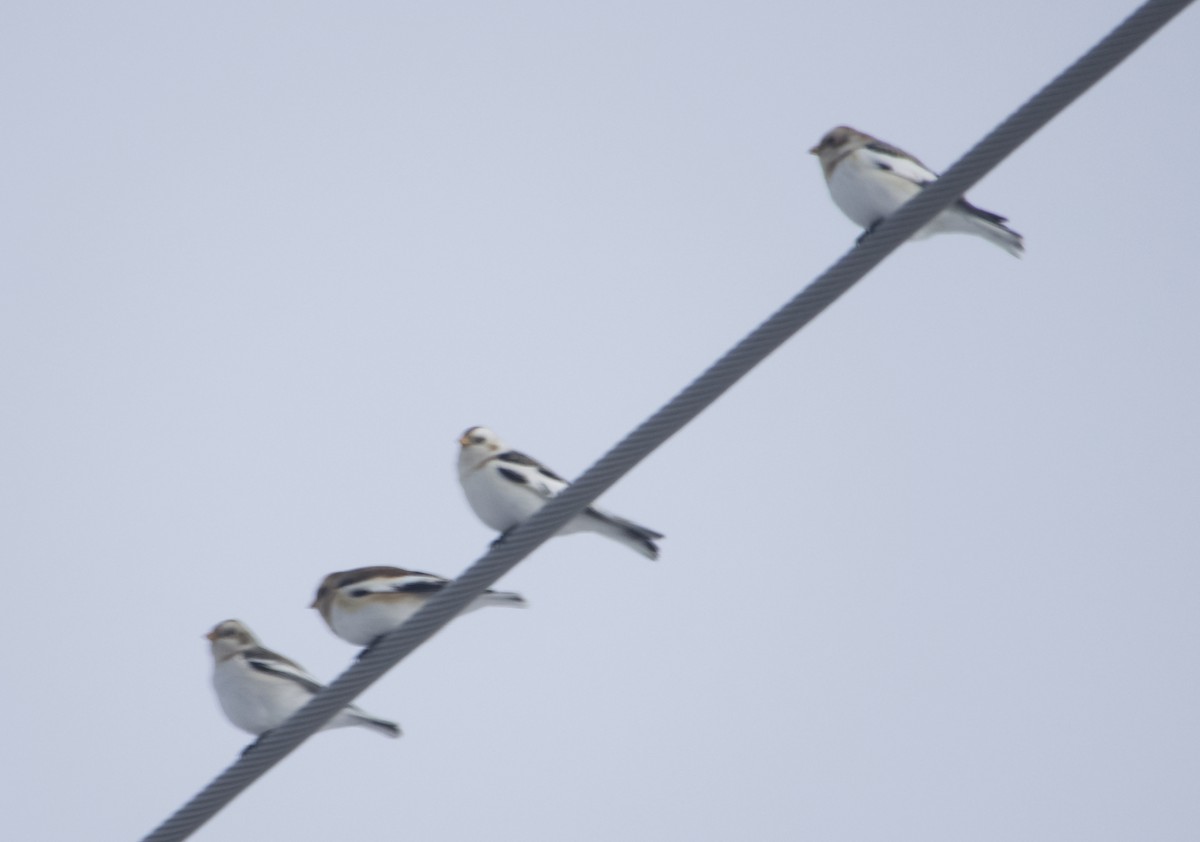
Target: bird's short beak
[[212, 635], [816, 150], [314, 602], [465, 440]]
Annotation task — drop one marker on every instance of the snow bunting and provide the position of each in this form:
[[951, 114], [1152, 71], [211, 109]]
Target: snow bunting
[[360, 605], [258, 689], [505, 488], [870, 179]]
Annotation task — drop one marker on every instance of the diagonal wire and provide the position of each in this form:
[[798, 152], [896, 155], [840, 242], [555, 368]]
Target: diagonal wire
[[673, 416]]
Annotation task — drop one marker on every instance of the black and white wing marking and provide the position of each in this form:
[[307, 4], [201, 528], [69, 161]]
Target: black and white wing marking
[[520, 469], [886, 157], [274, 664], [366, 581], [412, 583]]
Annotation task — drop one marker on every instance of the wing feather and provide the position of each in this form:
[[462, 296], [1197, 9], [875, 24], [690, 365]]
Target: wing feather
[[905, 166], [272, 663]]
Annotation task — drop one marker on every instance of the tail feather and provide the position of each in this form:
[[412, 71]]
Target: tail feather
[[383, 726], [974, 210], [514, 600], [390, 729], [633, 535], [991, 227]]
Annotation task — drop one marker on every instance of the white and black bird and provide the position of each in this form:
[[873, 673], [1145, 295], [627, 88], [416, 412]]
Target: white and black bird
[[506, 487], [361, 605], [258, 689], [869, 180]]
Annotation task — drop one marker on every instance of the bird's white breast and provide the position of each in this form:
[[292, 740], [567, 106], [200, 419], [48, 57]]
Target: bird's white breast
[[361, 623], [865, 193], [499, 502], [255, 702]]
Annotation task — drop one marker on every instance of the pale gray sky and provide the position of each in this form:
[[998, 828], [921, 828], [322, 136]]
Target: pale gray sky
[[931, 571]]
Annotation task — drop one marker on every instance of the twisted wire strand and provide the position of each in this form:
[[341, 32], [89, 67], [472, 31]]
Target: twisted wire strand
[[1002, 141]]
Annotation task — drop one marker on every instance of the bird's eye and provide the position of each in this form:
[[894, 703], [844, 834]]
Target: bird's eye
[[477, 439]]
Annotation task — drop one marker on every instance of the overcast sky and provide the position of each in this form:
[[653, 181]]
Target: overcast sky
[[930, 572]]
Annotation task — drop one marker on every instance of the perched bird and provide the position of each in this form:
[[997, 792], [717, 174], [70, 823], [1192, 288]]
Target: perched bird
[[505, 488], [870, 179], [361, 605], [258, 689]]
